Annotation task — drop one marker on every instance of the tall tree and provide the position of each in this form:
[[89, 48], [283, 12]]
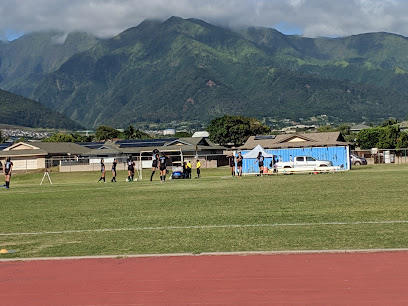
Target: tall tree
[[132, 133], [59, 137], [106, 132], [235, 129]]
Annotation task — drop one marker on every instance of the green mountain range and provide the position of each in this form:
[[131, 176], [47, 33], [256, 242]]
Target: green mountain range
[[20, 111], [25, 61], [187, 69]]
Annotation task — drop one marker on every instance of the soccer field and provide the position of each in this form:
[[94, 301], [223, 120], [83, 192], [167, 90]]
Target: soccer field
[[364, 208]]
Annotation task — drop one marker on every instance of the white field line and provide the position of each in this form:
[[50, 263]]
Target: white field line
[[160, 228]]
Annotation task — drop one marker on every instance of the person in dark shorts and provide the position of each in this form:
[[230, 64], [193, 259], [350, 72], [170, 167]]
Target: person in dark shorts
[[131, 169], [185, 170], [163, 167], [155, 162], [198, 166], [102, 171], [114, 170], [239, 164], [231, 162], [8, 167], [189, 167], [260, 160]]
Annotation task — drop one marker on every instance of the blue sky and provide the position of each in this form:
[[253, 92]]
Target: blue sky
[[106, 18]]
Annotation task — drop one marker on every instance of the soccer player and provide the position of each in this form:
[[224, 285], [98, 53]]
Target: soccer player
[[8, 166], [102, 171], [114, 170], [239, 164], [231, 162], [131, 169], [163, 167], [198, 169], [155, 162], [260, 160]]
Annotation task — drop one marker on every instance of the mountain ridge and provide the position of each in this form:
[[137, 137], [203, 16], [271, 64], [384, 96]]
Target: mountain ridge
[[20, 111], [188, 69]]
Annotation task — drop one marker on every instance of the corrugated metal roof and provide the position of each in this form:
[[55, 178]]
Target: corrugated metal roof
[[297, 141]]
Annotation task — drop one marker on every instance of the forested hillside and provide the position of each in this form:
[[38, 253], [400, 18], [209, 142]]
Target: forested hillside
[[25, 61], [191, 70], [20, 111]]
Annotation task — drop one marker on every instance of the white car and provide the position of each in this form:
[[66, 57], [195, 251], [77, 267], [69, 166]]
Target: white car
[[304, 161]]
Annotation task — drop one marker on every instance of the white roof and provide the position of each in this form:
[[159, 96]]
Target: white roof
[[255, 151], [201, 134]]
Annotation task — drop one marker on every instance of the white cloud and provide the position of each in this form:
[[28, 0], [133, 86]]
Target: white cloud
[[109, 17]]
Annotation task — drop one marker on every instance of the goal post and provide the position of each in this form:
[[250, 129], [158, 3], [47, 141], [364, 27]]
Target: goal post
[[173, 154]]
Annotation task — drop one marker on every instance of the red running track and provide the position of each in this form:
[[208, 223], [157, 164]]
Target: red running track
[[312, 279]]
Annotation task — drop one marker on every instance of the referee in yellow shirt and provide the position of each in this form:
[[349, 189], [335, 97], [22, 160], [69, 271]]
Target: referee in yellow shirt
[[198, 169]]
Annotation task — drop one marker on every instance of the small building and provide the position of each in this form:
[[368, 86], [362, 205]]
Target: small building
[[39, 155], [179, 149], [359, 127], [323, 146]]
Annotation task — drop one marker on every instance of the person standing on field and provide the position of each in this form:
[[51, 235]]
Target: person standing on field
[[8, 166], [102, 171], [163, 167], [131, 168], [231, 162], [198, 168], [260, 160], [239, 164], [114, 171], [155, 162], [189, 167]]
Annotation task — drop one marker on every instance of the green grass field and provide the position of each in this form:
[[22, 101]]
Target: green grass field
[[77, 216]]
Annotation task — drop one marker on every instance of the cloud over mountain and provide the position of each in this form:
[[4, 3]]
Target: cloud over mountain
[[107, 18]]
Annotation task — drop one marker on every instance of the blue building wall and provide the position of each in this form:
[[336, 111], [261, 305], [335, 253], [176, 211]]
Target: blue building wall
[[337, 155]]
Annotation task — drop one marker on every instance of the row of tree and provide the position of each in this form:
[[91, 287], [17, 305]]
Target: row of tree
[[388, 135], [104, 133], [235, 130]]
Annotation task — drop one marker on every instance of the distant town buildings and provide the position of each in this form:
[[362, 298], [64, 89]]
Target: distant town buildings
[[15, 134]]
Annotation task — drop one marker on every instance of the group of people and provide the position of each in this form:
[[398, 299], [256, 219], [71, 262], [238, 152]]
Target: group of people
[[239, 158], [8, 166], [159, 161], [102, 178], [231, 161], [188, 167]]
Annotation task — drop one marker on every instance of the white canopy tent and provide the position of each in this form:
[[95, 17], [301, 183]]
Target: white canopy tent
[[248, 163], [255, 151]]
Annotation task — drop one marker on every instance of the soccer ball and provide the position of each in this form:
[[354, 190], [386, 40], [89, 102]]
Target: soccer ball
[[127, 180]]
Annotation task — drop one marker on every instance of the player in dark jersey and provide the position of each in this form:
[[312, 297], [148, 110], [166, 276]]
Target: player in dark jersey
[[239, 164], [102, 171], [131, 169], [231, 162], [163, 167], [8, 167], [155, 162], [114, 170], [260, 160]]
